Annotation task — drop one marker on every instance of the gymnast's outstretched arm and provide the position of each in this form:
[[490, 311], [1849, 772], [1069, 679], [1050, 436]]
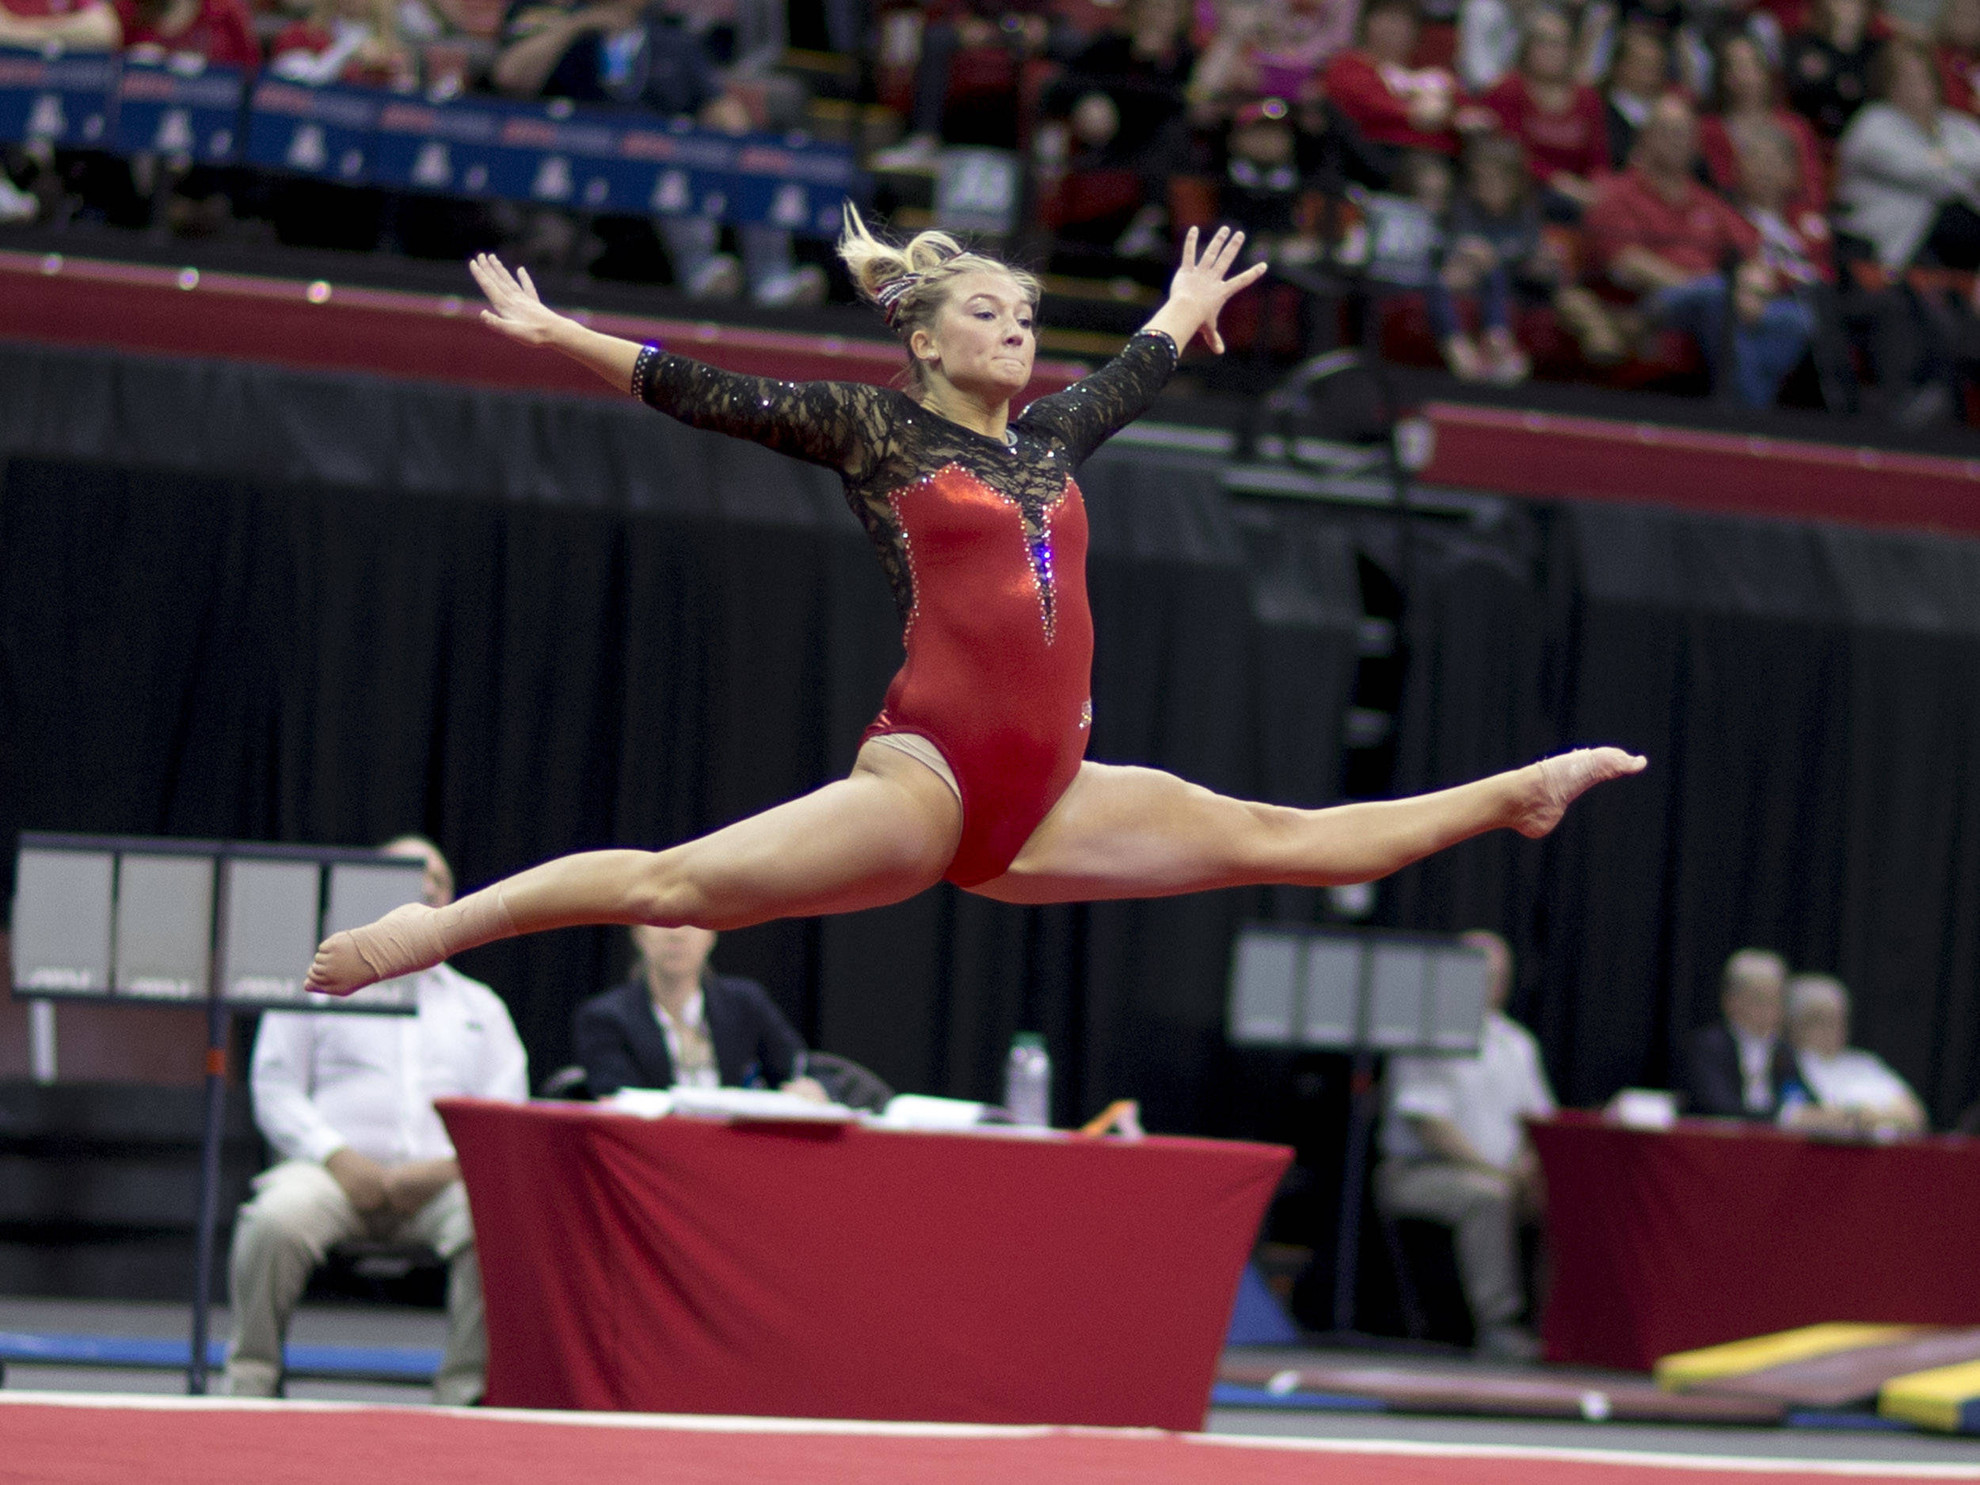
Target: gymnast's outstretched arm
[[837, 424], [1092, 410]]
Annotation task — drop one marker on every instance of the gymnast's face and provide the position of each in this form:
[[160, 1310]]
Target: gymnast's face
[[982, 341]]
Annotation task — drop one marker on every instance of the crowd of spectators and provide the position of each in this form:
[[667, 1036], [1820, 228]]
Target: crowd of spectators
[[1771, 191], [1766, 193]]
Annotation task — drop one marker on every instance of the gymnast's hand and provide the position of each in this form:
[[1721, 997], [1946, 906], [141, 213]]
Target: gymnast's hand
[[514, 307], [1199, 290]]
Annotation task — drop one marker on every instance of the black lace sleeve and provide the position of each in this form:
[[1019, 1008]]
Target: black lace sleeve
[[842, 425], [1095, 408]]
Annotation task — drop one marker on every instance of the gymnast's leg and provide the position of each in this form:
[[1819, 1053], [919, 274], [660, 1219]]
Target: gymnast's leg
[[884, 833], [1136, 832]]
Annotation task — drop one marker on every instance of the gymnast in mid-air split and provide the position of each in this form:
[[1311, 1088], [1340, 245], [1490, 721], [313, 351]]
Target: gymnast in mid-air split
[[975, 769]]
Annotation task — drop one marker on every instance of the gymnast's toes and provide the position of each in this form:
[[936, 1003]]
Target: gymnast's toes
[[338, 968], [1555, 783]]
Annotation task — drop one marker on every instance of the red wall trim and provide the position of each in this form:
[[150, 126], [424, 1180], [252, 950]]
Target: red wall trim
[[1553, 457], [290, 322]]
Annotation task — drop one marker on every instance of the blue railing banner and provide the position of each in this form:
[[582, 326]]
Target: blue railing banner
[[597, 161], [56, 98], [178, 109], [320, 131], [552, 153]]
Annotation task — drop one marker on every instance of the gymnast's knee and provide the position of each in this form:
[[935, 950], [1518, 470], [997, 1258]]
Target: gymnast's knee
[[664, 894]]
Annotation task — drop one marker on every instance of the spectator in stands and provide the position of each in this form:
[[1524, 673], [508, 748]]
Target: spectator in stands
[[747, 38], [77, 25], [1114, 131], [1691, 260], [348, 41], [1491, 32], [1828, 64], [967, 77], [1852, 1091], [1395, 106], [677, 1021], [346, 1101], [1739, 1067], [1745, 101], [623, 52], [1639, 75], [1795, 242], [1273, 50], [217, 31], [1958, 55], [1261, 190], [1908, 186], [1455, 1151], [1401, 237], [1494, 239], [1908, 169], [1558, 119]]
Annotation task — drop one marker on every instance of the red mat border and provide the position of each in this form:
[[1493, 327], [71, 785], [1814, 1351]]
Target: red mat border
[[56, 1447]]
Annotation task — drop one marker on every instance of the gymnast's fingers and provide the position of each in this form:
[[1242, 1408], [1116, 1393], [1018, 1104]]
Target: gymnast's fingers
[[1230, 252]]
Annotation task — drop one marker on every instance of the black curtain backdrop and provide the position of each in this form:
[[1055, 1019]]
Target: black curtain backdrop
[[251, 657], [248, 603]]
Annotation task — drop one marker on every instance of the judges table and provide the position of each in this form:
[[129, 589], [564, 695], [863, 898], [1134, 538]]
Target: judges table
[[845, 1271], [1663, 1241]]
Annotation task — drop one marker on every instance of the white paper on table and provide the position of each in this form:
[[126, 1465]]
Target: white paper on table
[[647, 1103], [756, 1103], [920, 1111]]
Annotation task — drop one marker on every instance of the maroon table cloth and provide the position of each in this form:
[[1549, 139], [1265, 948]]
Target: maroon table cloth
[[687, 1265], [1664, 1241]]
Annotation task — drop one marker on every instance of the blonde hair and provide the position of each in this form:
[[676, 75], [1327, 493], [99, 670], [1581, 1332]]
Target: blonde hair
[[909, 283]]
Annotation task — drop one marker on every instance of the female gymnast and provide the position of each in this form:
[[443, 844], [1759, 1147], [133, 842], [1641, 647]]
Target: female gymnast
[[975, 769]]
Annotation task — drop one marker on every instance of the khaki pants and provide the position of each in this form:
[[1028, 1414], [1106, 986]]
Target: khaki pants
[[1482, 1210], [297, 1215]]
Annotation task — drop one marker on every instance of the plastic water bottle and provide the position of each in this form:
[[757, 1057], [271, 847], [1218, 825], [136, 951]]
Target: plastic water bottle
[[1028, 1080]]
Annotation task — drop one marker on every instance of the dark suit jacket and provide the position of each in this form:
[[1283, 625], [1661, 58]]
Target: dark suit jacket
[[621, 1045], [1713, 1083]]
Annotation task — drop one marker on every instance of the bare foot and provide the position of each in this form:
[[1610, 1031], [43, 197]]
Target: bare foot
[[402, 941], [1552, 784]]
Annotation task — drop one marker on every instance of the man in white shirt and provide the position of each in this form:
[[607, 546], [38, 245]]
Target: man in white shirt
[[1455, 1151], [1853, 1091], [347, 1101]]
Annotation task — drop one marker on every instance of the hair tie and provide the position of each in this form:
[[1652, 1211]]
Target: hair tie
[[890, 294]]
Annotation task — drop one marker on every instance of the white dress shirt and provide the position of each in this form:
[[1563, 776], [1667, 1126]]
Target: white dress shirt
[[1756, 1070], [1486, 1096], [325, 1080], [1853, 1079], [689, 1043]]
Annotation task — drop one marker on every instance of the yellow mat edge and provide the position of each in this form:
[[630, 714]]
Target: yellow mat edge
[[1937, 1399], [1758, 1353]]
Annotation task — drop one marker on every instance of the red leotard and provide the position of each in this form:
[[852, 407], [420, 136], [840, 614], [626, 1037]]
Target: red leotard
[[985, 546]]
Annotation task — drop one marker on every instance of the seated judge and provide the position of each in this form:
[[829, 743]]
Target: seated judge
[[1739, 1067], [346, 1102], [677, 1021], [1849, 1090], [1455, 1151]]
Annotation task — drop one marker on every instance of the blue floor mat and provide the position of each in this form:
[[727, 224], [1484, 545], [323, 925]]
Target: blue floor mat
[[1845, 1418], [1230, 1395], [351, 1363]]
